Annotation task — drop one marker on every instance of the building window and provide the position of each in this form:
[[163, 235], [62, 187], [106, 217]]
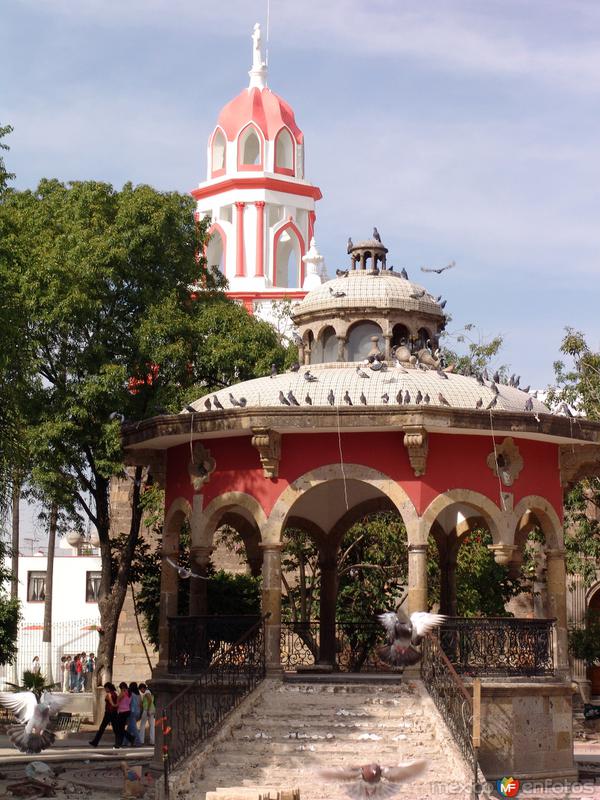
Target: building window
[[92, 586], [36, 587]]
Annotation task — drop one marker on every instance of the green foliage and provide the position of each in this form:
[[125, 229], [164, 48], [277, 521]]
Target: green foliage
[[32, 682], [233, 594], [10, 614], [584, 643], [477, 353], [578, 383]]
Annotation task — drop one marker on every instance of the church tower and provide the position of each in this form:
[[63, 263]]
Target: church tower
[[261, 207]]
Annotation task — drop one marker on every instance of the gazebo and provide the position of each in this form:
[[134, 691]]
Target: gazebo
[[373, 419]]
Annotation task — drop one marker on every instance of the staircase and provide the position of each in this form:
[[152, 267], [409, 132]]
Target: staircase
[[285, 732]]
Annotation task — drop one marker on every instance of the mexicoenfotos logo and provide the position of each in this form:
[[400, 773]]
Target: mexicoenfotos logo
[[508, 787]]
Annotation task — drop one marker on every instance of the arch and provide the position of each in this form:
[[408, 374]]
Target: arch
[[333, 472], [479, 502], [228, 503], [327, 346], [179, 511], [423, 336], [367, 508], [546, 515], [291, 244], [215, 250], [400, 333], [250, 149], [218, 153], [285, 159], [359, 337]]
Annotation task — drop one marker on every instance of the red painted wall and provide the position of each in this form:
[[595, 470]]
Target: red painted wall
[[454, 462]]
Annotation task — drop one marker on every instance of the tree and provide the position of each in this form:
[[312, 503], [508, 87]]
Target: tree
[[9, 615], [105, 279]]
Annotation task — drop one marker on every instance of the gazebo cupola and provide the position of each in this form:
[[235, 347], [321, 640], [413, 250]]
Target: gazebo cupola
[[261, 207]]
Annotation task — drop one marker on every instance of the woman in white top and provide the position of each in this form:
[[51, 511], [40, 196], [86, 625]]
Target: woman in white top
[[66, 672]]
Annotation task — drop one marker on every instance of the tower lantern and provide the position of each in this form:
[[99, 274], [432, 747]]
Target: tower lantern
[[261, 207]]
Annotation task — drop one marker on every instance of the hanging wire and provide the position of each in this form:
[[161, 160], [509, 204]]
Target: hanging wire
[[502, 502], [191, 435], [339, 433]]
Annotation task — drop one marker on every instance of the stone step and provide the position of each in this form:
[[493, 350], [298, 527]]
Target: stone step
[[338, 735], [296, 757]]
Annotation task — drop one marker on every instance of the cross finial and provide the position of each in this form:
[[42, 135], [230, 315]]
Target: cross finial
[[258, 73]]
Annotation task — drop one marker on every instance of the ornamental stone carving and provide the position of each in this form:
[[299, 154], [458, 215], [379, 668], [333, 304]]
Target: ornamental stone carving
[[201, 466], [577, 462], [268, 443], [503, 553], [506, 462], [416, 442]]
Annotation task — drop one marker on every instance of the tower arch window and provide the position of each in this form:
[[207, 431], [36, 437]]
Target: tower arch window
[[218, 153], [250, 155], [288, 249], [216, 249], [360, 340], [284, 152]]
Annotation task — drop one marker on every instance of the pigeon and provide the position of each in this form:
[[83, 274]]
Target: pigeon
[[376, 365], [292, 399], [363, 399], [31, 734], [297, 339], [399, 397], [427, 399], [529, 404], [442, 374], [350, 245], [406, 398], [440, 270], [207, 404], [347, 398], [376, 235], [385, 397], [331, 398], [273, 370], [496, 377], [486, 377], [341, 273], [526, 389], [191, 409], [494, 388], [217, 403], [243, 402], [564, 410], [116, 415], [308, 400], [443, 304], [233, 401], [480, 380], [493, 403], [372, 780], [442, 399], [183, 572], [404, 274], [418, 294], [402, 634], [337, 292], [361, 373], [479, 403], [308, 376], [283, 399], [418, 398], [295, 367]]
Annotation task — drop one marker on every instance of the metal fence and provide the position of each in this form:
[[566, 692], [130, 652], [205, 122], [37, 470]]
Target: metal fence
[[68, 638]]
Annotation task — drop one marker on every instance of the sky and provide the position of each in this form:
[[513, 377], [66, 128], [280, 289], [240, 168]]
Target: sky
[[465, 130]]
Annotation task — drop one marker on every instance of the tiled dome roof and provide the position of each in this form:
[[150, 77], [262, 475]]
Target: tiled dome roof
[[262, 107]]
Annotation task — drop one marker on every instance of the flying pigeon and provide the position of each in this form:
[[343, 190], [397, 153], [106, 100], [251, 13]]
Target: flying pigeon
[[376, 235], [233, 401], [373, 780], [295, 367], [347, 398], [361, 373], [402, 634], [385, 397], [443, 304], [404, 274], [308, 376], [341, 273], [337, 292], [493, 403], [363, 399], [308, 400], [217, 403], [440, 270], [442, 399], [31, 734], [406, 398], [418, 398], [292, 399], [207, 404], [529, 404], [116, 415], [283, 399], [183, 572], [331, 398]]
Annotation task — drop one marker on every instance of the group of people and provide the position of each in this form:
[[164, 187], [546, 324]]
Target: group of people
[[128, 711], [77, 672]]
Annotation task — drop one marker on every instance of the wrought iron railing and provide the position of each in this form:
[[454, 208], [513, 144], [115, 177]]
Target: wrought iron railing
[[196, 712], [450, 695], [354, 647], [195, 642], [499, 646]]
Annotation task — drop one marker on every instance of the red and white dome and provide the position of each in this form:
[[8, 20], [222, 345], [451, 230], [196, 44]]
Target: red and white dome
[[264, 109]]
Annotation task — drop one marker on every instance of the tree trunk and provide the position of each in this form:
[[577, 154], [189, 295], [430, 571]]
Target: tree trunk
[[16, 497], [47, 635], [113, 587]]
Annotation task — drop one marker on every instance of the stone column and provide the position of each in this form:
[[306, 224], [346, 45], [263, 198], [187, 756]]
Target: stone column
[[557, 606], [387, 346], [199, 561], [260, 239], [240, 267], [271, 603], [341, 346], [329, 587], [169, 585], [417, 577]]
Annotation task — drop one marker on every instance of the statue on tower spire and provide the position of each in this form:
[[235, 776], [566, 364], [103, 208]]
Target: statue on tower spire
[[258, 73]]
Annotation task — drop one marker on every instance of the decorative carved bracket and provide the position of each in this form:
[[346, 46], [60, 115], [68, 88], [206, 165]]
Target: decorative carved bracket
[[201, 466], [416, 441], [506, 462], [503, 553], [578, 462], [268, 443]]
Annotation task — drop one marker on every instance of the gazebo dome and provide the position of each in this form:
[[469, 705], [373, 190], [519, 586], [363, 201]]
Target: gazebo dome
[[262, 108]]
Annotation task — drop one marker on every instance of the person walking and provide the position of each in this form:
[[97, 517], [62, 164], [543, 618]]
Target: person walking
[[110, 714], [135, 712], [123, 710], [73, 673], [66, 672], [80, 672], [148, 711]]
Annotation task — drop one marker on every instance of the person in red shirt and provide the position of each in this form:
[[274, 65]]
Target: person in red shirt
[[111, 703]]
